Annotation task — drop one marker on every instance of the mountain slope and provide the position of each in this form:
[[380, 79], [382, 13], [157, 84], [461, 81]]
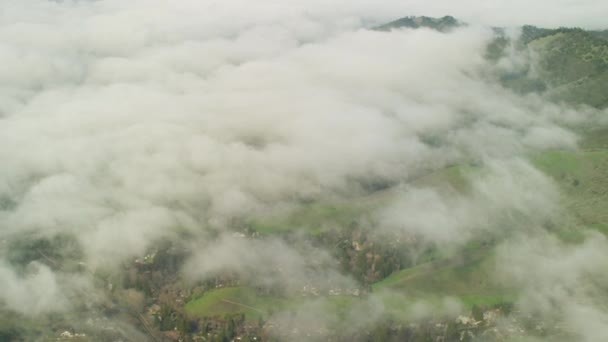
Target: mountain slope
[[566, 64], [574, 63]]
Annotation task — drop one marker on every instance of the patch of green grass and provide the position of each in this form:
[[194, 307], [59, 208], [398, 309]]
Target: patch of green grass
[[467, 275], [313, 218], [397, 278], [341, 306], [452, 178], [487, 300], [571, 235], [600, 227], [578, 234], [244, 300], [233, 300], [318, 217], [583, 180], [559, 163]]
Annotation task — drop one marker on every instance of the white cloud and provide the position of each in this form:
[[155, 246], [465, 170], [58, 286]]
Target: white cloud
[[122, 121]]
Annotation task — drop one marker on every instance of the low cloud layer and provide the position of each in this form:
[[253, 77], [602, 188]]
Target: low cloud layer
[[40, 290], [560, 281], [269, 264], [506, 196], [126, 123]]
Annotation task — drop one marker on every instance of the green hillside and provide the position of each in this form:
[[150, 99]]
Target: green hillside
[[574, 63], [567, 64], [583, 180], [467, 276]]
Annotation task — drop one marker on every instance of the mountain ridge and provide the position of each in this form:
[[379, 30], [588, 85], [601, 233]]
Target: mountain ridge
[[570, 64]]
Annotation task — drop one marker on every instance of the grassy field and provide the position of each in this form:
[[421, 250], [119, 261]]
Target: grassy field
[[583, 179], [244, 300], [467, 276], [318, 217], [234, 300], [312, 218], [454, 178]]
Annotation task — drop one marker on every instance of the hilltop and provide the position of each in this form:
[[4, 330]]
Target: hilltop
[[443, 24]]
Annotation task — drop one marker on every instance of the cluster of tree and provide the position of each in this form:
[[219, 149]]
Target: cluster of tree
[[213, 329], [61, 251], [366, 256]]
